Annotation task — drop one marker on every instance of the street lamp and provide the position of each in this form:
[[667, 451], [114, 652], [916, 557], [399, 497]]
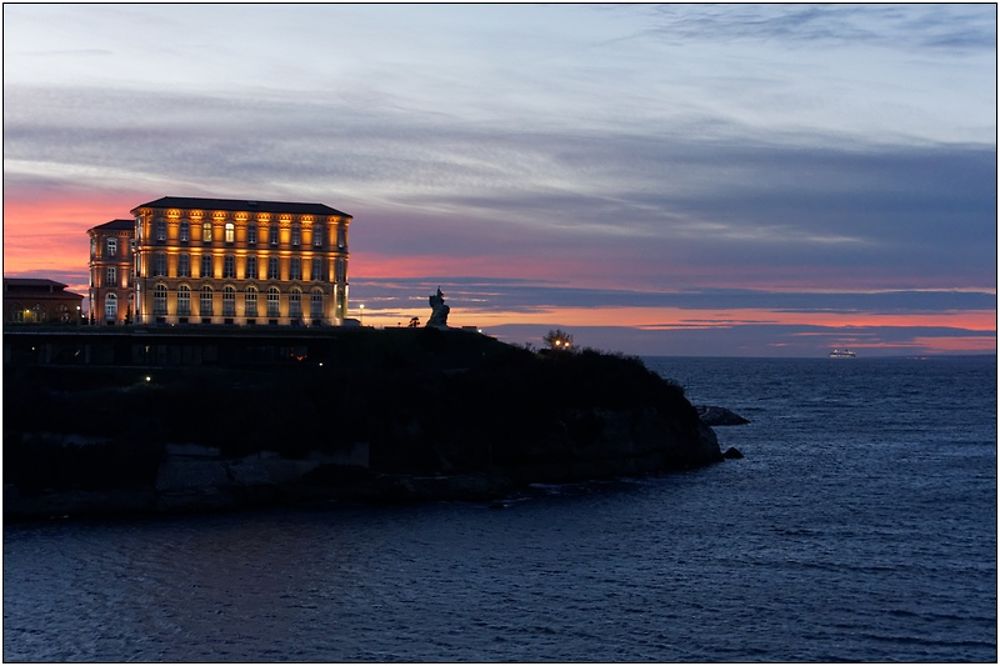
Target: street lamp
[[362, 317]]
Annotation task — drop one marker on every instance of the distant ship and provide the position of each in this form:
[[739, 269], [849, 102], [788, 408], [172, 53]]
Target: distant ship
[[842, 353]]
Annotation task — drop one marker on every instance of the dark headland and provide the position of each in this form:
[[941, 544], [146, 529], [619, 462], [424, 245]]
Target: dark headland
[[368, 415]]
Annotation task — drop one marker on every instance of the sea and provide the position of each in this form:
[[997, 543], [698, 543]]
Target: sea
[[861, 525]]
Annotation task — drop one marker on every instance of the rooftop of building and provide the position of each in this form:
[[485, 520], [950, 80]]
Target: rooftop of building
[[115, 225], [37, 288], [32, 282], [246, 205]]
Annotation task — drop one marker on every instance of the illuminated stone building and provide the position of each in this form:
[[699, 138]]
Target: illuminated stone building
[[111, 295], [37, 301], [229, 261]]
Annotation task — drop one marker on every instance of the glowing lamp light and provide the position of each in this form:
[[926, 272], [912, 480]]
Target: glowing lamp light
[[148, 379]]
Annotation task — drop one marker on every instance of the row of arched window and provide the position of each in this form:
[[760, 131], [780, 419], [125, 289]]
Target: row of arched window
[[206, 301], [251, 270], [229, 233]]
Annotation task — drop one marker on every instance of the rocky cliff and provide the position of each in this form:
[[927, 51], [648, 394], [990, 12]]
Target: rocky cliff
[[380, 416]]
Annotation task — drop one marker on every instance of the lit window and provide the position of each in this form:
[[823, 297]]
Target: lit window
[[206, 232], [159, 264], [295, 304], [205, 305], [110, 306], [161, 231], [251, 268], [252, 234], [160, 299], [295, 269], [206, 265], [93, 249], [251, 302], [341, 236], [184, 300], [316, 304], [272, 232], [318, 235], [296, 235], [229, 266], [138, 228], [112, 277], [185, 232], [230, 232], [112, 246], [272, 269], [317, 268], [229, 301], [273, 296], [184, 265]]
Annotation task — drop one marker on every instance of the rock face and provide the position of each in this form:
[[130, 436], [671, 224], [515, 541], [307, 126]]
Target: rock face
[[385, 416], [719, 416], [208, 480]]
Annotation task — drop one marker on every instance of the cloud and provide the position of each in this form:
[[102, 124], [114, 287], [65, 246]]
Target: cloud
[[74, 53], [663, 206], [501, 294], [944, 27], [764, 340]]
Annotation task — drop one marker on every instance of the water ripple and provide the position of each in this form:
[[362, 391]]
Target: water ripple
[[860, 527]]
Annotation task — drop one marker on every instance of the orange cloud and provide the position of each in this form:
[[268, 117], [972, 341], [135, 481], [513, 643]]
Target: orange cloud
[[658, 318], [979, 344]]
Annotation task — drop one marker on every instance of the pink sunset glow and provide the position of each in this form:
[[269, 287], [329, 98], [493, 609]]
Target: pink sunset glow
[[603, 191]]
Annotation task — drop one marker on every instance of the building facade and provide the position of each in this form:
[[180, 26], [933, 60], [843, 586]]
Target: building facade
[[111, 294], [227, 261], [37, 301]]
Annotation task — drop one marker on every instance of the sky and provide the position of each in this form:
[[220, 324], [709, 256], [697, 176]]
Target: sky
[[734, 180]]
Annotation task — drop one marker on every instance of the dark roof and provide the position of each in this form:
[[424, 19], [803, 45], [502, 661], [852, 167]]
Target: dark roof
[[243, 205], [116, 225], [21, 295], [32, 282], [36, 289]]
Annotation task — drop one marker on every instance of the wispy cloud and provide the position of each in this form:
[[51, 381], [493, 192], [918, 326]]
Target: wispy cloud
[[935, 26], [766, 340], [519, 294], [483, 190], [67, 52]]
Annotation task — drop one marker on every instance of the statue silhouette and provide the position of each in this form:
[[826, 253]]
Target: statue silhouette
[[439, 311]]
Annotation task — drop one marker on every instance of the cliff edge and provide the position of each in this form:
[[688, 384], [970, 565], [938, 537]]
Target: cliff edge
[[378, 416]]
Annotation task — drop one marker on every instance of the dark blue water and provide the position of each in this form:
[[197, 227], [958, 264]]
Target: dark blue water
[[860, 526]]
